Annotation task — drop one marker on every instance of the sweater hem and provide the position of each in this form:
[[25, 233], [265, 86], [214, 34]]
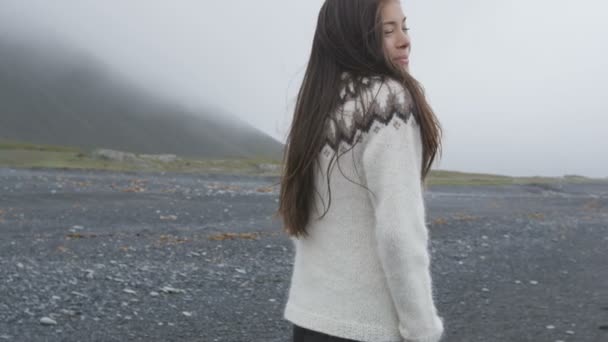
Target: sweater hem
[[363, 332]]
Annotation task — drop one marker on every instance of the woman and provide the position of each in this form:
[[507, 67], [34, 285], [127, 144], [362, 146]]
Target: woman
[[362, 266]]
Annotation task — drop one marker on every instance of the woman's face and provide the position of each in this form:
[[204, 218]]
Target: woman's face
[[396, 39]]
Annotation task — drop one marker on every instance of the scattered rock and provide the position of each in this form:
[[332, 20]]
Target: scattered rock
[[129, 291], [90, 273], [165, 158], [79, 294], [47, 321], [169, 289], [187, 314], [68, 312], [106, 154], [269, 167]]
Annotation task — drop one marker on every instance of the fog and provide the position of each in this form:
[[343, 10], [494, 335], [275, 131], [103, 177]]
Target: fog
[[518, 86]]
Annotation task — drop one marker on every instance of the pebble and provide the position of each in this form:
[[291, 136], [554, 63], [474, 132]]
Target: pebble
[[187, 314], [47, 321], [90, 273], [569, 332], [533, 282], [68, 312], [129, 291], [169, 289], [154, 294], [485, 289], [550, 327]]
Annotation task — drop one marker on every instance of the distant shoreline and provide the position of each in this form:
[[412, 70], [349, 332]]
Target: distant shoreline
[[33, 156]]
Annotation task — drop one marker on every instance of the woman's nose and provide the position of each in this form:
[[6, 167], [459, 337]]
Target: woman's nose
[[404, 40]]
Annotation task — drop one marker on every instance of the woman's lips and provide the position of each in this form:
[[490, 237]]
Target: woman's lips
[[403, 60]]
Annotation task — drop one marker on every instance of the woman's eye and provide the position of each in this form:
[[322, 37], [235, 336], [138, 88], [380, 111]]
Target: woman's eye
[[405, 29]]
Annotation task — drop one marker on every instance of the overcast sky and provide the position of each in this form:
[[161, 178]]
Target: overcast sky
[[519, 85]]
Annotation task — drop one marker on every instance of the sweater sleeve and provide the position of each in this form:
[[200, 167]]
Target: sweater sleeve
[[391, 161]]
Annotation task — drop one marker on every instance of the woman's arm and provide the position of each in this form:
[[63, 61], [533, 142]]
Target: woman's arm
[[391, 160]]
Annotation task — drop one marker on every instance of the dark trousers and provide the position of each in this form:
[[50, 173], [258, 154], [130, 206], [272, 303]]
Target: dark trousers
[[301, 334]]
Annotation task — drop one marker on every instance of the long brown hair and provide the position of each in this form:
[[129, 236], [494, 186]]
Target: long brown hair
[[348, 37]]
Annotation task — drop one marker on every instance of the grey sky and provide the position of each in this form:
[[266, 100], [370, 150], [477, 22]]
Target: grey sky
[[517, 84]]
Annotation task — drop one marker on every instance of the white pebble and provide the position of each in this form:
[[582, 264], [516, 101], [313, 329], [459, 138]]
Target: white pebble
[[169, 289], [569, 332], [533, 282], [187, 314], [550, 327], [517, 281], [154, 294], [129, 291], [47, 321]]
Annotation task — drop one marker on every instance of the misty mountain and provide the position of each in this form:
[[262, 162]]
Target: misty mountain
[[50, 94]]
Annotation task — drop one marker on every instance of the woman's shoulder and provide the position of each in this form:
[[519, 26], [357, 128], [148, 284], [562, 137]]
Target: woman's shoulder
[[365, 100], [374, 90]]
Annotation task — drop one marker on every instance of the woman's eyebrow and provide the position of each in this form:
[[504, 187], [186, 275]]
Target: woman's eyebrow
[[392, 22]]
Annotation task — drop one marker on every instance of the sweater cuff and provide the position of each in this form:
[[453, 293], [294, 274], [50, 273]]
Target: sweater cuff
[[433, 336]]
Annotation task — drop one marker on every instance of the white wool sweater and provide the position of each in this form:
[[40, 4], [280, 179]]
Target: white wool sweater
[[363, 273]]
